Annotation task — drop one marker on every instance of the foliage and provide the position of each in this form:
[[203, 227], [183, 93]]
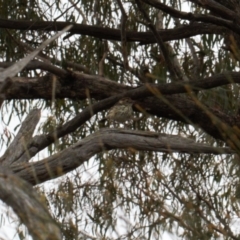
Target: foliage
[[127, 193]]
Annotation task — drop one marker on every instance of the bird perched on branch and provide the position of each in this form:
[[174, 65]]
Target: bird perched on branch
[[121, 111]]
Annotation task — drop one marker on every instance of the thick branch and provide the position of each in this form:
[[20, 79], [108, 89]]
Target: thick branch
[[108, 139], [23, 138], [101, 88], [18, 194], [216, 123], [115, 34]]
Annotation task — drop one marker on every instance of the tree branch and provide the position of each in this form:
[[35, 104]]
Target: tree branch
[[21, 141], [115, 34], [162, 106], [18, 194], [194, 17], [77, 83], [107, 139]]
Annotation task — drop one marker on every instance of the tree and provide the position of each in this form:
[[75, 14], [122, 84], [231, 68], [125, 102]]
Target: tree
[[175, 167]]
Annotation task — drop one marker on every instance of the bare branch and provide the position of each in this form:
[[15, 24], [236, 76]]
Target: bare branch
[[192, 29], [109, 88], [18, 194], [107, 139], [23, 138]]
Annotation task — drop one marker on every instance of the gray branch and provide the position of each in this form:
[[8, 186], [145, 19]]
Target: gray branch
[[107, 139], [18, 194], [19, 145]]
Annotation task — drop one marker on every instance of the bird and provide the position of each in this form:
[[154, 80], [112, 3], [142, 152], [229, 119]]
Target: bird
[[121, 111]]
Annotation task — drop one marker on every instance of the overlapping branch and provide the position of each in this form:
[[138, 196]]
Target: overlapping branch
[[182, 32], [107, 139], [20, 195]]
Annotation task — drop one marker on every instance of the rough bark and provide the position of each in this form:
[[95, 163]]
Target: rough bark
[[108, 139], [160, 100], [173, 107], [22, 139], [20, 195]]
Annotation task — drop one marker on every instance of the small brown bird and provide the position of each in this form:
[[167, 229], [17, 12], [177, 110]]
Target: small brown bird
[[121, 111]]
